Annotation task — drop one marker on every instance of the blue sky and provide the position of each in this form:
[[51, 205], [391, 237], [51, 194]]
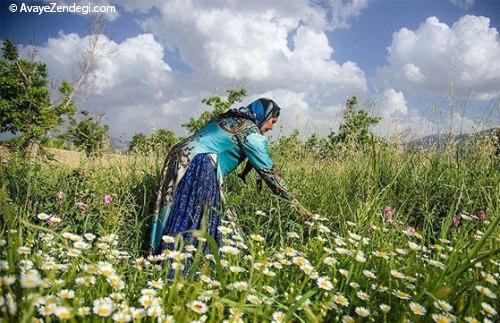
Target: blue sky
[[187, 52]]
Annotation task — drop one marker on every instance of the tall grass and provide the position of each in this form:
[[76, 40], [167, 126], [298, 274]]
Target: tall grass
[[436, 247]]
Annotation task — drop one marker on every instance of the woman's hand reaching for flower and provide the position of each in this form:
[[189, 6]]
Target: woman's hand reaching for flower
[[304, 213]]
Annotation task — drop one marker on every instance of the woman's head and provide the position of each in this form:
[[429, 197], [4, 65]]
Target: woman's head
[[265, 113], [268, 125]]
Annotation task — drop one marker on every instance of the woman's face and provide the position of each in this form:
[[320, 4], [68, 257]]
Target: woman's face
[[268, 125]]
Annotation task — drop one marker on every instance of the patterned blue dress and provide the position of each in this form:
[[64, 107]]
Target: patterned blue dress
[[190, 189]]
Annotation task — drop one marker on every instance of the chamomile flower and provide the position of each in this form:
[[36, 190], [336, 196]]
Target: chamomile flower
[[229, 250], [105, 268], [441, 318], [324, 283], [63, 313], [397, 274], [122, 317], [360, 256], [362, 295], [417, 309], [30, 279], [385, 308], [115, 282], [347, 319], [224, 230], [83, 311], [343, 272], [278, 317], [67, 294], [154, 311], [354, 285], [401, 295], [486, 291], [341, 300], [369, 274], [414, 246], [23, 250], [443, 305], [103, 307], [488, 309], [257, 238], [489, 278], [342, 251], [254, 299], [158, 284], [362, 311], [148, 292], [330, 261], [148, 300]]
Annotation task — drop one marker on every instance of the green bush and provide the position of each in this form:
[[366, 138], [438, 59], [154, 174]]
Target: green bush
[[157, 143]]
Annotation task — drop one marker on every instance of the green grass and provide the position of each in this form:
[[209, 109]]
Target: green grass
[[436, 261]]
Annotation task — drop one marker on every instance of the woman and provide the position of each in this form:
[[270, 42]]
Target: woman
[[189, 196]]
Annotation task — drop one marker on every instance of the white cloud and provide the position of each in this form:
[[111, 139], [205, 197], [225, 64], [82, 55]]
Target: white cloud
[[298, 112], [436, 56], [393, 102], [278, 50], [400, 120], [343, 11], [464, 4], [130, 80]]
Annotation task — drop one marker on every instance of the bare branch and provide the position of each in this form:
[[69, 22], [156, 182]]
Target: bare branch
[[93, 50]]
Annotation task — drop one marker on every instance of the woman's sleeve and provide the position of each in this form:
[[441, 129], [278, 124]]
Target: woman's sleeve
[[256, 148]]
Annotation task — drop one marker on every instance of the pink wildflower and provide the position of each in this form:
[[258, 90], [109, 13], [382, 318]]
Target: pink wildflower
[[410, 230], [480, 214], [108, 199], [388, 213]]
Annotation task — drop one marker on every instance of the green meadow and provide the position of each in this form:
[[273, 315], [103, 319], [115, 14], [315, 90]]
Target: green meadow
[[399, 235]]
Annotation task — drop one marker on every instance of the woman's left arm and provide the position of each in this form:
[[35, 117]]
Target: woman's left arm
[[256, 148]]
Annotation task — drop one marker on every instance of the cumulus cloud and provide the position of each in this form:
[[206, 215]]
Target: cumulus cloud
[[393, 102], [343, 11], [278, 50], [129, 83], [435, 57], [400, 120], [300, 111]]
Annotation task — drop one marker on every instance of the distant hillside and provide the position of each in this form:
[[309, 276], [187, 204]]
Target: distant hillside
[[440, 141]]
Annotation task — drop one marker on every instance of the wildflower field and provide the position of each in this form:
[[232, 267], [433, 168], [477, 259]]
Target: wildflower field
[[398, 235]]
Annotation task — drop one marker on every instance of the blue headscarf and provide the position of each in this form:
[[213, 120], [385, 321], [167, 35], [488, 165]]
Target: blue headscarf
[[259, 111]]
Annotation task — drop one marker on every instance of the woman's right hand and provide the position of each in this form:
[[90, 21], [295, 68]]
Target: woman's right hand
[[304, 213]]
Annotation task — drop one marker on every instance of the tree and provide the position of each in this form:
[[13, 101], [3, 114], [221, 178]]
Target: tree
[[162, 140], [158, 142], [25, 102], [138, 143], [356, 123], [220, 106], [25, 99], [88, 134]]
